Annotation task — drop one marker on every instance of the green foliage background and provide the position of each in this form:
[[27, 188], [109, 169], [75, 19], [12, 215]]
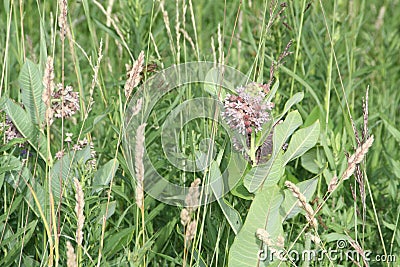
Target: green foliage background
[[340, 48]]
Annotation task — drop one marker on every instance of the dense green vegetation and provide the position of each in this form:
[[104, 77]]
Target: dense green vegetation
[[72, 164]]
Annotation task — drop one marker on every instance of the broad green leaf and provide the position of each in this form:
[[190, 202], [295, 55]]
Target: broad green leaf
[[392, 129], [163, 236], [29, 262], [390, 226], [19, 233], [140, 253], [200, 262], [3, 101], [65, 169], [15, 243], [9, 163], [236, 169], [117, 241], [313, 160], [31, 84], [1, 180], [154, 212], [296, 98], [267, 174], [12, 144], [272, 92], [289, 207], [326, 145], [15, 204], [395, 166], [104, 175], [263, 135], [263, 213], [24, 125], [283, 130], [334, 237], [256, 177], [217, 183], [92, 121], [103, 209], [16, 174], [241, 191], [267, 128], [302, 82], [303, 140], [215, 83], [42, 197], [314, 115], [43, 47]]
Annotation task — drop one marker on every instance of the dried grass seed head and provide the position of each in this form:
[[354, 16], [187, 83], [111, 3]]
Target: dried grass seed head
[[193, 196], [134, 75], [80, 203], [71, 256]]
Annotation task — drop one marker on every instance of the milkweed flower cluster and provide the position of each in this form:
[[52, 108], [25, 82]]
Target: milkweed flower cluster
[[65, 102], [79, 145], [10, 131], [61, 103], [248, 110]]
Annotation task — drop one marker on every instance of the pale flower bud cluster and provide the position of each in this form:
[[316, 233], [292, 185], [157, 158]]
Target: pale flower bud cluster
[[65, 102], [10, 131], [248, 110]]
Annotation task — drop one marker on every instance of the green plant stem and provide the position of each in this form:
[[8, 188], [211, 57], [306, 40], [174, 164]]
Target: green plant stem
[[296, 57], [253, 149]]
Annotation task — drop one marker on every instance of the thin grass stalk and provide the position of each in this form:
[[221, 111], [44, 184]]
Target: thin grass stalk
[[108, 23], [206, 175], [356, 158], [177, 32], [205, 189], [23, 237], [194, 29], [115, 26], [11, 202], [155, 50], [214, 53], [5, 60], [377, 219], [45, 223], [123, 107], [21, 14], [76, 65], [259, 59], [94, 82], [335, 59], [63, 5], [168, 28], [183, 28], [298, 42]]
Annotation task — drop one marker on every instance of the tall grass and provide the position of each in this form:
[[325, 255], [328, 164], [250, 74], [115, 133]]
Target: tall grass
[[69, 195]]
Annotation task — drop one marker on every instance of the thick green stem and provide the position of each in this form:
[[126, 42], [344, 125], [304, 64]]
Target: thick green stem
[[253, 148]]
